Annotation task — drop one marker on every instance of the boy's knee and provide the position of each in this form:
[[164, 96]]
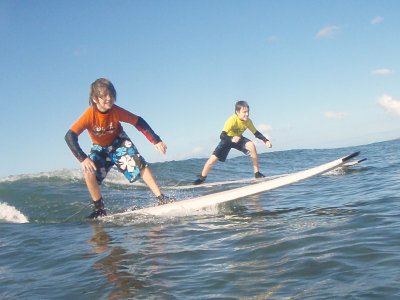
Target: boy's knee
[[212, 160], [89, 175], [250, 146]]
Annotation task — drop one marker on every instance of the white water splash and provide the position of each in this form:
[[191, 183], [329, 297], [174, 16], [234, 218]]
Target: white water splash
[[10, 214]]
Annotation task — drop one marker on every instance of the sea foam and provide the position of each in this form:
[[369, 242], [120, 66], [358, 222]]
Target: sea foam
[[10, 214]]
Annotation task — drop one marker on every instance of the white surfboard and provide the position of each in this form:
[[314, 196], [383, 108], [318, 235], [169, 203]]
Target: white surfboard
[[191, 206], [243, 181], [220, 183], [232, 182]]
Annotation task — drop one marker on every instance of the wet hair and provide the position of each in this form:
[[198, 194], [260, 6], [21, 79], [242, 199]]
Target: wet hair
[[100, 88], [240, 104]]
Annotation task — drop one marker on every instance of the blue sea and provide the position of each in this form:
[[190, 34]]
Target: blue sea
[[333, 236]]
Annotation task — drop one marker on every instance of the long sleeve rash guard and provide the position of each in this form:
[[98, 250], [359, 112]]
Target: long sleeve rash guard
[[235, 127], [104, 128]]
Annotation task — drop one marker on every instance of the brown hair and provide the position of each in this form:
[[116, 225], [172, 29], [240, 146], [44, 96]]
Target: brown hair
[[100, 88], [240, 104]]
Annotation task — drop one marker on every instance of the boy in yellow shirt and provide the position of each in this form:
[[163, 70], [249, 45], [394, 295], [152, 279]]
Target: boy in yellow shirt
[[231, 137]]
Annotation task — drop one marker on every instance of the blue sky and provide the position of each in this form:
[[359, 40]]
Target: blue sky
[[317, 74]]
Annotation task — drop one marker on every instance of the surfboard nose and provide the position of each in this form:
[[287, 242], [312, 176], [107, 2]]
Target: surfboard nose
[[350, 156]]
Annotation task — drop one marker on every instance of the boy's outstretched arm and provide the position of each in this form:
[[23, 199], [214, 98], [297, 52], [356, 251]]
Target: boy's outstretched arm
[[145, 128], [260, 136], [160, 146]]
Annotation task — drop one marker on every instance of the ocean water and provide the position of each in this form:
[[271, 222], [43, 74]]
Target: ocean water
[[334, 236]]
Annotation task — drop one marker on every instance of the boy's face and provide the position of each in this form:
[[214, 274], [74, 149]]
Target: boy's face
[[104, 103], [243, 113]]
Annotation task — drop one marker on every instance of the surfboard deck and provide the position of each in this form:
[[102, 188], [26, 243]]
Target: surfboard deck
[[220, 183], [243, 181], [190, 206]]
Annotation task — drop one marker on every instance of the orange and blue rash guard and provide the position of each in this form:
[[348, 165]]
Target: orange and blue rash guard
[[104, 128]]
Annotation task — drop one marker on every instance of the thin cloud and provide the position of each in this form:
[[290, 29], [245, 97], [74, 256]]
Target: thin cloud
[[382, 72], [389, 104], [197, 151], [265, 128], [272, 39], [336, 115], [377, 20], [327, 32], [79, 51]]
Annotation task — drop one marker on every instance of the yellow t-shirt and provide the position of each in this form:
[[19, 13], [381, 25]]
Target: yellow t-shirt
[[235, 127]]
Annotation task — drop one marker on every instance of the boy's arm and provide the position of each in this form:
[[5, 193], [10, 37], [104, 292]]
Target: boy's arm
[[260, 136], [139, 123], [145, 128], [256, 133], [72, 141]]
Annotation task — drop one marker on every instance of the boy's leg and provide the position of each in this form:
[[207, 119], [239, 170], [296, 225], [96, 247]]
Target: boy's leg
[[253, 154], [92, 185], [94, 179], [206, 169], [208, 165], [220, 153], [128, 160], [94, 190], [148, 178]]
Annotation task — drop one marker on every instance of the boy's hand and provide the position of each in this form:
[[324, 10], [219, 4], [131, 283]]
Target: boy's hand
[[235, 139], [268, 143], [161, 147], [88, 165]]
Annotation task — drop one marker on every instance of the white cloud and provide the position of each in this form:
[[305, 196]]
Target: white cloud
[[264, 128], [382, 72], [389, 104], [327, 32], [377, 20], [197, 150], [336, 115]]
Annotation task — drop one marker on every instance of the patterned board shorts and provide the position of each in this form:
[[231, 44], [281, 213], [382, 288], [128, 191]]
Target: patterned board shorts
[[122, 154]]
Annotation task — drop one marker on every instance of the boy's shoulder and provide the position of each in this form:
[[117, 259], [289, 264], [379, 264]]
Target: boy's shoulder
[[235, 118], [232, 117]]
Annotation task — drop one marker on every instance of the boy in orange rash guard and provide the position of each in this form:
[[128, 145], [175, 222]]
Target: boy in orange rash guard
[[111, 146]]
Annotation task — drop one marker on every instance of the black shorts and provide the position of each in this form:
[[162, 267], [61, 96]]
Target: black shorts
[[223, 148]]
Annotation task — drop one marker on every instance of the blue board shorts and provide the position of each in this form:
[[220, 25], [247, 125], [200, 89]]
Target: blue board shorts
[[122, 154], [223, 148]]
